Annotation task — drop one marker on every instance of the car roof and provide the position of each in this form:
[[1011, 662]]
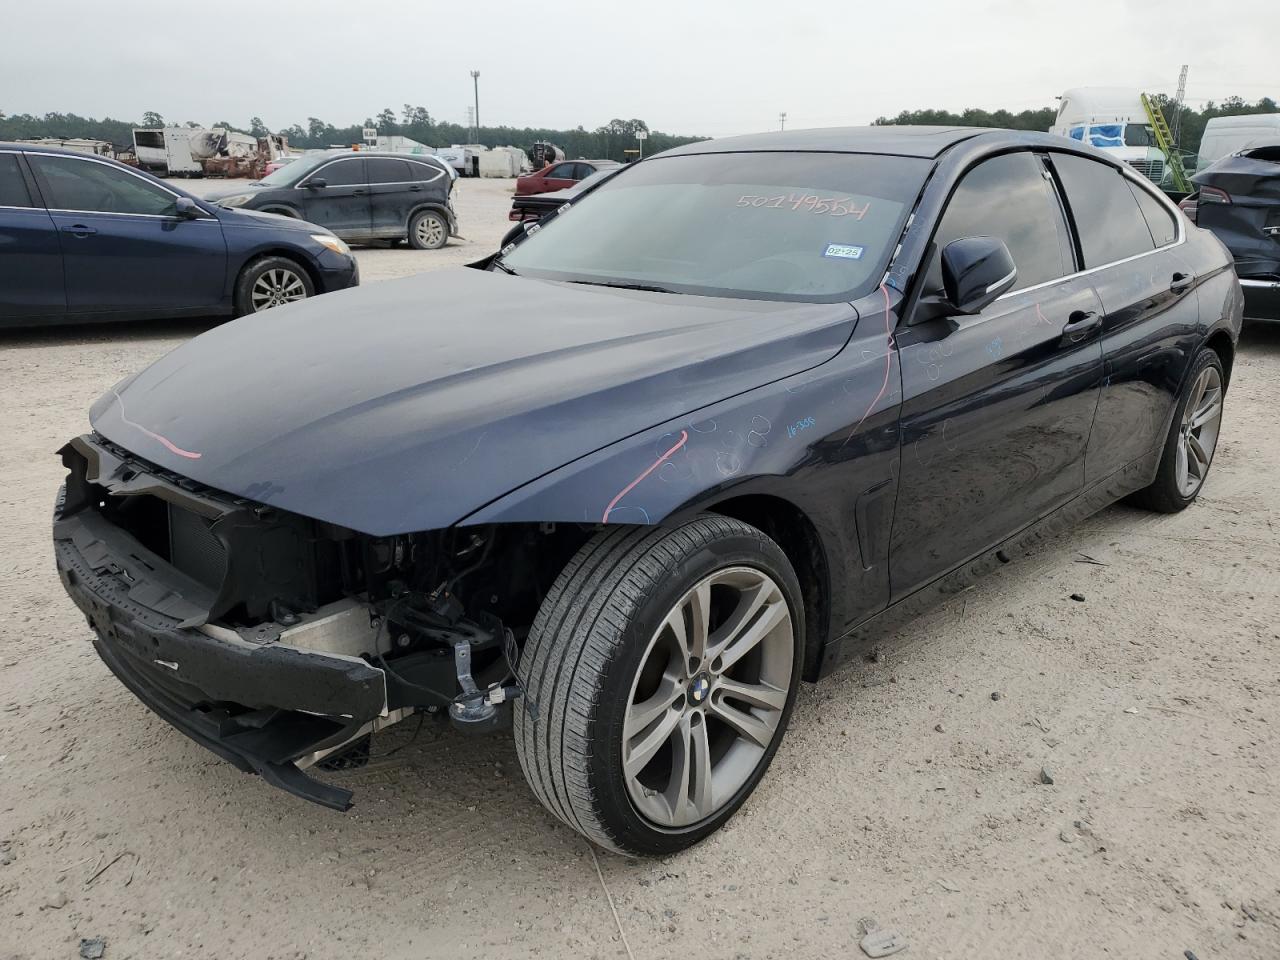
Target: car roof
[[391, 154], [41, 148], [902, 141]]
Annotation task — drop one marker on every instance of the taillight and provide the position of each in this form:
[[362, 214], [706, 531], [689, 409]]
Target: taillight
[[1188, 207], [1214, 195]]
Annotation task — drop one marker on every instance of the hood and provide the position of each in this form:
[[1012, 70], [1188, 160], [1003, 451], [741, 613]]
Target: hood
[[243, 217], [252, 186], [411, 403]]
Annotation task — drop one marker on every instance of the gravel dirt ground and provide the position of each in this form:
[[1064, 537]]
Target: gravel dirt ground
[[905, 792]]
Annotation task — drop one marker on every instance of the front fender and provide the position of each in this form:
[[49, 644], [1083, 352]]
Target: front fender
[[741, 445]]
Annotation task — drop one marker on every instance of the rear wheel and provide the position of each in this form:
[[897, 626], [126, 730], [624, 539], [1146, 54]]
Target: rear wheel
[[662, 667], [271, 282], [1193, 438], [428, 231]]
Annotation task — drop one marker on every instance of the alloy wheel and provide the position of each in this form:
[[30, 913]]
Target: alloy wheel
[[430, 231], [1198, 435], [708, 697], [276, 287]]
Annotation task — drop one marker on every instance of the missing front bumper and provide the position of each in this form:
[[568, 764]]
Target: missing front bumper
[[262, 707]]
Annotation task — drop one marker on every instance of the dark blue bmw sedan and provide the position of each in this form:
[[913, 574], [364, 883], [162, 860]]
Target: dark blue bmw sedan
[[84, 238]]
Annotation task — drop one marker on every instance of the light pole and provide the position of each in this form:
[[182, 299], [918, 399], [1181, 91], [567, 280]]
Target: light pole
[[782, 120], [475, 82]]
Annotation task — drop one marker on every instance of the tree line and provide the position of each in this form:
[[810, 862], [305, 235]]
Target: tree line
[[1186, 121], [415, 122]]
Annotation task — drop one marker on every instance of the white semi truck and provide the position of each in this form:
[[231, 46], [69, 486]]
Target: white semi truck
[[1112, 119]]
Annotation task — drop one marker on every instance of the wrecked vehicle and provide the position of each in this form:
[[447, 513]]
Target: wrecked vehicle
[[688, 441], [1239, 201]]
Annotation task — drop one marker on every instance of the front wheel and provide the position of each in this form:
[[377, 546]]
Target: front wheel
[[428, 231], [1192, 439], [271, 282], [661, 671]]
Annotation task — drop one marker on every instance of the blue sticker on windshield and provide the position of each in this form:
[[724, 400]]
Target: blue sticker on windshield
[[843, 251]]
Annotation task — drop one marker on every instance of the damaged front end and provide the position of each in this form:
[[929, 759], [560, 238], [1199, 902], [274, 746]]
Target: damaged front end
[[273, 639]]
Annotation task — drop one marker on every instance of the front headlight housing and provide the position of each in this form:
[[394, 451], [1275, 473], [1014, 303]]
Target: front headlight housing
[[332, 242], [239, 200]]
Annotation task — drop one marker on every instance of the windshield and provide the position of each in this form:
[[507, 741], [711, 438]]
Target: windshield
[[294, 171], [1139, 135], [764, 226]]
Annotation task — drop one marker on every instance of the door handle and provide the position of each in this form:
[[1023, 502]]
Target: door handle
[[1079, 324], [415, 189], [1180, 282], [357, 193], [79, 230]]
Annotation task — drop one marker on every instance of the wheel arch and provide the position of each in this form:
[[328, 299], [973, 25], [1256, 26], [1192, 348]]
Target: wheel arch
[[434, 206], [1220, 342], [792, 530], [288, 253]]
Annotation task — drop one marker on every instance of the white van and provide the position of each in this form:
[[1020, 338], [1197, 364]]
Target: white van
[[1224, 136], [1113, 119]]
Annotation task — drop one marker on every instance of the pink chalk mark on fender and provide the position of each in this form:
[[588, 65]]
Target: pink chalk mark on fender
[[165, 441], [684, 438], [888, 365]]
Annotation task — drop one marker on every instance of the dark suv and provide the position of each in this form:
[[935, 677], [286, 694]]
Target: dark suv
[[359, 196]]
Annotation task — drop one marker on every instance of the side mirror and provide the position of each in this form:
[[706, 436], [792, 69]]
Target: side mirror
[[187, 209], [316, 183], [975, 271]]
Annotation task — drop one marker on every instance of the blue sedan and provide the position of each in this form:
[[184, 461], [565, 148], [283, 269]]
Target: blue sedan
[[84, 238]]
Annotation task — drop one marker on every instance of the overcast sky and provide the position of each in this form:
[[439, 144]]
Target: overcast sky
[[712, 67]]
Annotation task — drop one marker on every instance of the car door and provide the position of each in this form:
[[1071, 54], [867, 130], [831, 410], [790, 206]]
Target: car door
[[391, 191], [336, 195], [1129, 239], [31, 285], [997, 406], [560, 176], [124, 248]]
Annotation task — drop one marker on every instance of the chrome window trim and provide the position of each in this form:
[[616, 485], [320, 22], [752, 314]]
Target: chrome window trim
[[394, 183], [1181, 239], [142, 216]]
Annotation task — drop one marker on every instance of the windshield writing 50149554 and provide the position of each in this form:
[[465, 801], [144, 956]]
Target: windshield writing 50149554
[[809, 202]]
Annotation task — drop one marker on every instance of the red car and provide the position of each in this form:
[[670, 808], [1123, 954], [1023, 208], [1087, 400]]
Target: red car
[[560, 175]]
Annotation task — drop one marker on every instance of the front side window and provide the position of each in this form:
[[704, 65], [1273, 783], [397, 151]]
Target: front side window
[[1008, 197], [387, 170], [766, 226], [92, 187], [343, 173], [1107, 217], [13, 189], [562, 171]]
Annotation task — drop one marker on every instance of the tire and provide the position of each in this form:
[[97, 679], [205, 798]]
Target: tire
[[428, 230], [602, 652], [271, 282], [1192, 440]]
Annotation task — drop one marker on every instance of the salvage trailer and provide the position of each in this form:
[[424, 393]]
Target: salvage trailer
[[166, 151]]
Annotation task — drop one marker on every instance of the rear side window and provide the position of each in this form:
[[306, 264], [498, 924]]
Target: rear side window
[[1107, 217], [425, 172], [13, 189], [91, 187], [1163, 227], [1008, 197], [387, 170]]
